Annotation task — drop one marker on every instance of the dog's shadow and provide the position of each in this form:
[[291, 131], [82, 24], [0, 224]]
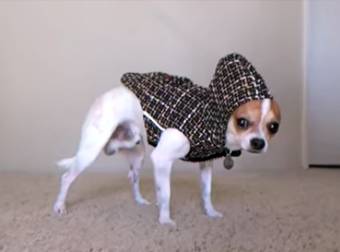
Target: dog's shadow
[[84, 190], [183, 190], [187, 189]]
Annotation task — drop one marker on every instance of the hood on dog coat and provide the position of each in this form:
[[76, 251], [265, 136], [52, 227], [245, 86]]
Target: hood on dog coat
[[200, 113]]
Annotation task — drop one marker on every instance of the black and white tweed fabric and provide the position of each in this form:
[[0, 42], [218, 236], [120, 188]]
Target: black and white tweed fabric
[[200, 113]]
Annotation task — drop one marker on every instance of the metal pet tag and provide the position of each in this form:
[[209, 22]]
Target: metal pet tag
[[228, 162]]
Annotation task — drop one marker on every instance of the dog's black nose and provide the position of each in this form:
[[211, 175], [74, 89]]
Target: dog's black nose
[[257, 143]]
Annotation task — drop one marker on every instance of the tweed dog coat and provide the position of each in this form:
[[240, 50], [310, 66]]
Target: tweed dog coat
[[200, 113]]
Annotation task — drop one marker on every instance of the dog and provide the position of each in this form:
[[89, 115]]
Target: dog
[[116, 122]]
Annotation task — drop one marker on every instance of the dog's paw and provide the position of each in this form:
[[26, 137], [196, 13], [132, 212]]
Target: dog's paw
[[212, 213], [142, 201], [59, 208], [167, 221]]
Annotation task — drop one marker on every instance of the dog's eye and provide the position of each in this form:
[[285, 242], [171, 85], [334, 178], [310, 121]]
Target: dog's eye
[[242, 123], [273, 127]]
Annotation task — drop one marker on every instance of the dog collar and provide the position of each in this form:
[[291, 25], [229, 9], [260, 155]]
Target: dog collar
[[234, 153], [228, 162]]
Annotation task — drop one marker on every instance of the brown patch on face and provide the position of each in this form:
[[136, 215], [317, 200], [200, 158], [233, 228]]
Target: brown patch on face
[[251, 111], [276, 110], [273, 116]]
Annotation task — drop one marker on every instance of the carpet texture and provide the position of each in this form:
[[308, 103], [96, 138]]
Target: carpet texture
[[263, 211]]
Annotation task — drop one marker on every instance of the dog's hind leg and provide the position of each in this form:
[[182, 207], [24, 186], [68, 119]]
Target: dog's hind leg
[[96, 131], [135, 157]]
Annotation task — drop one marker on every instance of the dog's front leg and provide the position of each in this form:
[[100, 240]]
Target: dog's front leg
[[206, 177], [172, 145]]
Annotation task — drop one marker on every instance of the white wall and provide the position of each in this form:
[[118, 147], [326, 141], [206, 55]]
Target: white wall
[[56, 57]]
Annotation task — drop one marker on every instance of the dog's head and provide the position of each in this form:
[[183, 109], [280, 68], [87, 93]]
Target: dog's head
[[252, 125]]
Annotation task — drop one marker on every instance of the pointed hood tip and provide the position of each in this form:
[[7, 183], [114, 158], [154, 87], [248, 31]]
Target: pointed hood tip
[[235, 82]]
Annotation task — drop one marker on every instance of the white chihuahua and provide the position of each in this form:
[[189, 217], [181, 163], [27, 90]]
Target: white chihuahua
[[116, 123]]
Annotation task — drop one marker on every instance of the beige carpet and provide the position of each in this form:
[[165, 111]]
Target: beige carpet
[[264, 211]]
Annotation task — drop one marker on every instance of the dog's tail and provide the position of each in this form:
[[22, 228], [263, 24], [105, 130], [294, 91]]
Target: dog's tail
[[66, 163]]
